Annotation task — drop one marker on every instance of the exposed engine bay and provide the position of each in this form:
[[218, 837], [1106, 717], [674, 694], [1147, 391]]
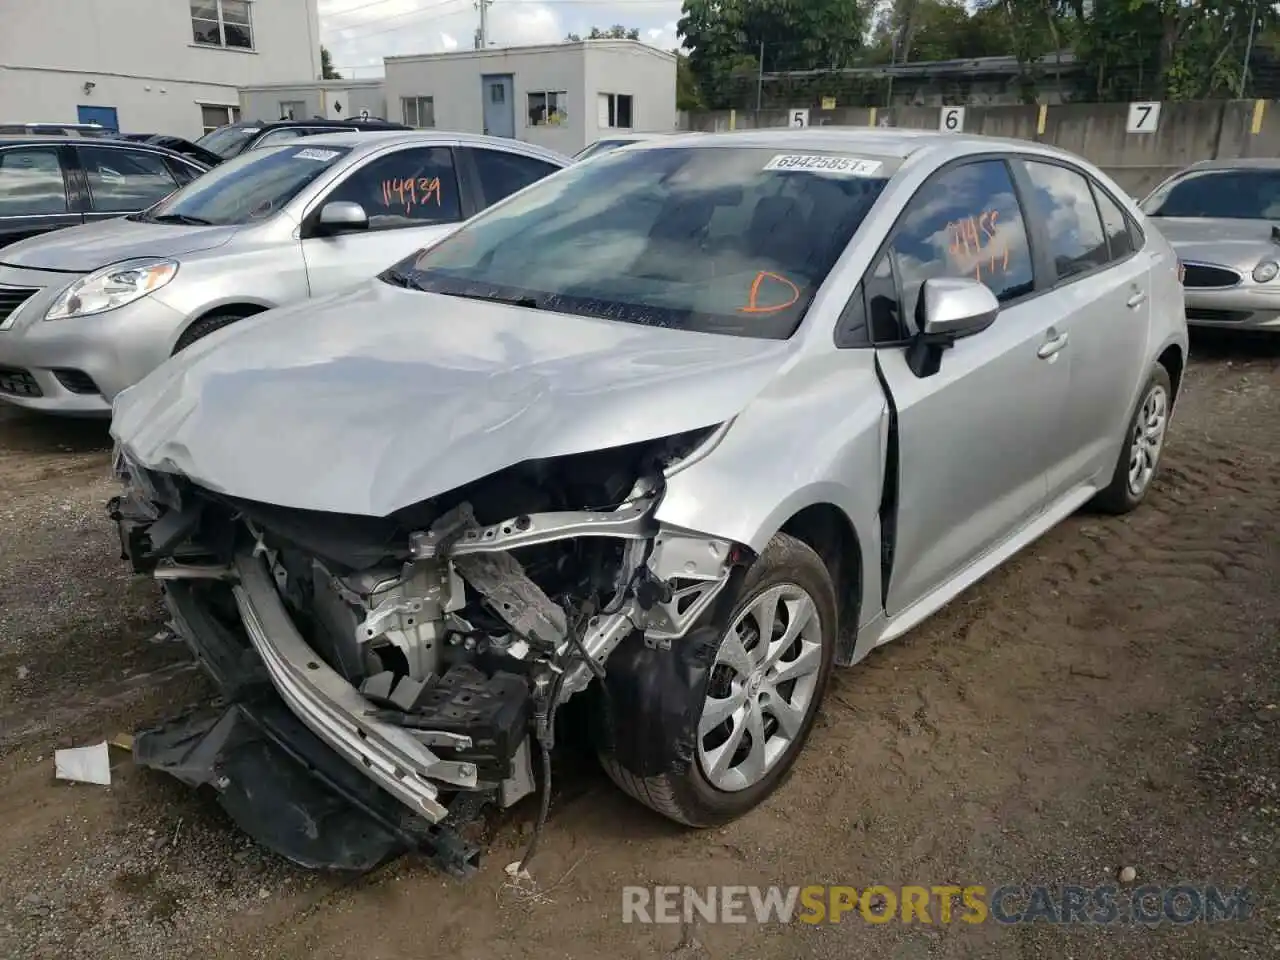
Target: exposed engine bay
[[407, 670]]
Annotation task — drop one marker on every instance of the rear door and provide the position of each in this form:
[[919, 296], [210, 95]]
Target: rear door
[[1101, 293], [412, 196], [122, 180], [37, 191], [977, 438], [496, 174]]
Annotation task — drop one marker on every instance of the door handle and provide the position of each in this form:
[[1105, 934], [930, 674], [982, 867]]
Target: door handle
[[1051, 347], [1137, 300]]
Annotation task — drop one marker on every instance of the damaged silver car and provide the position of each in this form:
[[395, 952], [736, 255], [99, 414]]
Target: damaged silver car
[[669, 433]]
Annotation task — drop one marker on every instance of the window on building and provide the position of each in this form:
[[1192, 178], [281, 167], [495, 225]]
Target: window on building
[[31, 182], [222, 23], [548, 108], [121, 181], [293, 110], [615, 110], [213, 116], [1063, 202], [418, 111]]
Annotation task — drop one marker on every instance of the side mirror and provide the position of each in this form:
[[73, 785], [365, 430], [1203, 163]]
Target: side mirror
[[949, 308], [343, 216], [954, 307]]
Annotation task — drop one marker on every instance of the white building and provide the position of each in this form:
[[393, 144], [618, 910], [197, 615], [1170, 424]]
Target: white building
[[562, 96], [149, 66], [334, 99]]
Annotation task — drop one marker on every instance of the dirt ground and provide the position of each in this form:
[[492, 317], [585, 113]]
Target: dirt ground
[[1110, 698]]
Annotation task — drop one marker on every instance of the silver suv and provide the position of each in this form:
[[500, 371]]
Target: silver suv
[[88, 311]]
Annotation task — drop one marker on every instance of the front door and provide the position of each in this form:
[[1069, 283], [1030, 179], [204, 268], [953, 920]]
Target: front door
[[411, 197], [102, 116], [498, 91], [978, 437]]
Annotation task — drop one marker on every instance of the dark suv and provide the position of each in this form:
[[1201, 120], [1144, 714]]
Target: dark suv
[[236, 138], [52, 182]]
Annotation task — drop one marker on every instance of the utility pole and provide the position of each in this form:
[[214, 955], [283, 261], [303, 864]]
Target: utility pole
[[760, 81], [1248, 50], [482, 35]]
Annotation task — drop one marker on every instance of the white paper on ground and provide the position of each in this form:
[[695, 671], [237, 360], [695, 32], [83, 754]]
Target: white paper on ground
[[84, 764]]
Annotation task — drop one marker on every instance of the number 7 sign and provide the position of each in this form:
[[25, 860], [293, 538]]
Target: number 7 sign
[[1143, 118]]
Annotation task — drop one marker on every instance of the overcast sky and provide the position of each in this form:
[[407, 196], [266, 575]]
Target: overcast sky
[[359, 33]]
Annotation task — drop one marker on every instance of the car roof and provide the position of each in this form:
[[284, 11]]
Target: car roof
[[110, 143], [376, 139], [892, 142], [1240, 163], [371, 123]]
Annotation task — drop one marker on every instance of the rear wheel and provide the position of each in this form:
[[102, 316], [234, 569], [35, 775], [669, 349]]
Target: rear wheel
[[1144, 443], [771, 665]]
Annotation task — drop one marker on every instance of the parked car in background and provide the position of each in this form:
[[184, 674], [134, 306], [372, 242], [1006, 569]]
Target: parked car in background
[[47, 183], [607, 144], [235, 138], [54, 129], [1223, 219], [177, 145], [86, 312], [691, 422]]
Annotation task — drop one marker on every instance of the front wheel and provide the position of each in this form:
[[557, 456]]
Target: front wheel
[[759, 697], [1144, 443]]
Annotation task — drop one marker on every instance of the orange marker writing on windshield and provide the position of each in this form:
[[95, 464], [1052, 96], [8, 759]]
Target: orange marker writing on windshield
[[753, 298]]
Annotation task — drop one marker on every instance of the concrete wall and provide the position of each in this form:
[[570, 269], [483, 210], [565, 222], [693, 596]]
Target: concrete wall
[[1187, 132], [581, 70], [335, 99], [141, 59]]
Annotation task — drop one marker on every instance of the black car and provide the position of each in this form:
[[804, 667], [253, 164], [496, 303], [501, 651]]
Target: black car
[[52, 182], [236, 138], [177, 145]]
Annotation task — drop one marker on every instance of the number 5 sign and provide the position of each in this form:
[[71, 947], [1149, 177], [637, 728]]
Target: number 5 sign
[[1143, 118], [799, 118], [951, 120]]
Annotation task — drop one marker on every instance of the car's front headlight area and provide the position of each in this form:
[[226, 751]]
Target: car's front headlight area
[[112, 287], [1266, 271]]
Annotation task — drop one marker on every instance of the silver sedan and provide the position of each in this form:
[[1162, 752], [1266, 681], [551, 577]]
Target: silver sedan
[[88, 311], [1221, 217], [688, 424]]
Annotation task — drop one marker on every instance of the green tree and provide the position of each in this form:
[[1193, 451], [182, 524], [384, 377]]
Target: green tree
[[688, 96], [616, 32], [327, 71]]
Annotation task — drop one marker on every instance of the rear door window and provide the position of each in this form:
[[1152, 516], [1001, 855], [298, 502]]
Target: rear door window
[[502, 173], [1063, 203], [1114, 224], [31, 182], [124, 181], [963, 222]]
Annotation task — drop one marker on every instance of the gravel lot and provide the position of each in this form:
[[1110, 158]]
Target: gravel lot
[[1110, 698]]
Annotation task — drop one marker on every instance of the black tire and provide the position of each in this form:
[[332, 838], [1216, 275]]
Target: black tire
[[1118, 496], [203, 327], [682, 791]]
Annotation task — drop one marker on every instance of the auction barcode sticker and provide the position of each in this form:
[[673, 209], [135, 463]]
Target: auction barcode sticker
[[313, 153], [825, 163]]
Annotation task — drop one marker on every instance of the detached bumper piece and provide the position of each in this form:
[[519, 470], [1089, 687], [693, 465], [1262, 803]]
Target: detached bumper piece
[[294, 758]]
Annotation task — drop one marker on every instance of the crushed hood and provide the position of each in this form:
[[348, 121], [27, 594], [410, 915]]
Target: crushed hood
[[378, 398], [94, 245], [1241, 244]]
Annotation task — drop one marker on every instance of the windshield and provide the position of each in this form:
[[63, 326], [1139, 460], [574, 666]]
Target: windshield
[[600, 146], [1239, 194], [249, 188], [717, 240], [228, 141]]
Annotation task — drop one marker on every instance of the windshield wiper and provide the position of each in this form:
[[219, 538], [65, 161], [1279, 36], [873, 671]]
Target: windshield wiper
[[399, 278], [514, 300], [180, 218]]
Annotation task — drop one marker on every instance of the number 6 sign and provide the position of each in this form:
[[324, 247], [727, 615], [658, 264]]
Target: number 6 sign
[[799, 118], [1143, 118], [951, 120]]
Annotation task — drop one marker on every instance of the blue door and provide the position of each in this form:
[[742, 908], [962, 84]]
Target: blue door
[[499, 109], [102, 116]]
